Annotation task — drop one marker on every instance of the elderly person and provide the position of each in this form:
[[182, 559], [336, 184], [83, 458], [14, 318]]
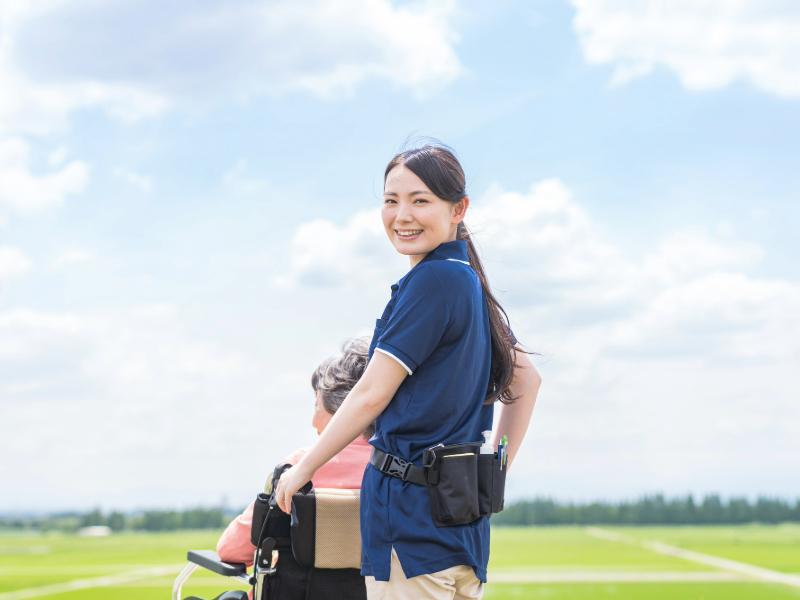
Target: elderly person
[[331, 381]]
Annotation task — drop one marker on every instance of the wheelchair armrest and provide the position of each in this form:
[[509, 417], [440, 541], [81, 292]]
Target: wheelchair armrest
[[210, 560]]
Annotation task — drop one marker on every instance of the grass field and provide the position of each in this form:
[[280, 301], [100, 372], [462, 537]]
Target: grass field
[[555, 563]]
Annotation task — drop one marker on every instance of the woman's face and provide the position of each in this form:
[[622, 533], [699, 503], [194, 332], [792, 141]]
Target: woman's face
[[321, 417], [416, 220]]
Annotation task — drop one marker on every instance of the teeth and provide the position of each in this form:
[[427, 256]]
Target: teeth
[[409, 233]]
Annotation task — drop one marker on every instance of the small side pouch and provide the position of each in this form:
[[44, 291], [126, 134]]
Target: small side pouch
[[498, 486], [453, 484], [486, 464], [491, 484]]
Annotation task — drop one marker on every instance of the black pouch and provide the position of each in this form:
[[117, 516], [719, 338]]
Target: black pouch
[[268, 521], [303, 527], [278, 523], [485, 468], [491, 484], [498, 485], [452, 473]]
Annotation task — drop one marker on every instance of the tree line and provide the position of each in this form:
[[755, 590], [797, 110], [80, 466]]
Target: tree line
[[650, 510], [148, 520], [647, 510]]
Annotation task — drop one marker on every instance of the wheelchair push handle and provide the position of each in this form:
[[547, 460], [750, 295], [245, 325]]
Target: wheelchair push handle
[[211, 561], [208, 559]]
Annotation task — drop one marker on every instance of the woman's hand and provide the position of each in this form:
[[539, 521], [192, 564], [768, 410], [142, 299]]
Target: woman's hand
[[291, 480]]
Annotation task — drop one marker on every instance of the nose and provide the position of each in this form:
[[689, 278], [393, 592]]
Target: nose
[[404, 213]]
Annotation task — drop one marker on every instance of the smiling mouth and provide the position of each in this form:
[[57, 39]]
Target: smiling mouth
[[407, 233]]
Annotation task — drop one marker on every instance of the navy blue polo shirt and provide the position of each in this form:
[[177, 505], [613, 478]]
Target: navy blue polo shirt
[[436, 325]]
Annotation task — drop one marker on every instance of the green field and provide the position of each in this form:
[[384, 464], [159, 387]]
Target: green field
[[544, 562]]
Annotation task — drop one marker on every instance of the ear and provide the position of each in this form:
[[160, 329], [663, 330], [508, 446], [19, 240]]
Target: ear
[[459, 210]]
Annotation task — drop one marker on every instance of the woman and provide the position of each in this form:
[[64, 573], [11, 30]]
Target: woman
[[442, 353], [331, 381]]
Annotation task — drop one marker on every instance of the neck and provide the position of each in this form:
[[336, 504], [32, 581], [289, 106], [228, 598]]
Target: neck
[[414, 259]]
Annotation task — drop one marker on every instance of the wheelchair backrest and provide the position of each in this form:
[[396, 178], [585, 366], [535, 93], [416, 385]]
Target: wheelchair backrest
[[325, 529], [318, 548]]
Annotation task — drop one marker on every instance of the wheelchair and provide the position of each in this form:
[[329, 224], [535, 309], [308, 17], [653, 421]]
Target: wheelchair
[[314, 553]]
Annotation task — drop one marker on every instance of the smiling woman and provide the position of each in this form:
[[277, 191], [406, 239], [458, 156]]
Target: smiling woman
[[425, 534]]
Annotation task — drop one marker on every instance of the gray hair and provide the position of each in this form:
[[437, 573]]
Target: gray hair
[[336, 375]]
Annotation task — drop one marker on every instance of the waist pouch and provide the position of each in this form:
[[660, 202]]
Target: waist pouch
[[462, 484]]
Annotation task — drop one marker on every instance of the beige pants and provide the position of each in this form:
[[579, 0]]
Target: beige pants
[[454, 583]]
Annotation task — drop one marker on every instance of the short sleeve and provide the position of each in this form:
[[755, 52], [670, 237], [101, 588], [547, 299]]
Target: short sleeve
[[419, 319]]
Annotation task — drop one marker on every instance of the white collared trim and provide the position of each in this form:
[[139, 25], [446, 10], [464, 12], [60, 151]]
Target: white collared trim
[[405, 366], [457, 260]]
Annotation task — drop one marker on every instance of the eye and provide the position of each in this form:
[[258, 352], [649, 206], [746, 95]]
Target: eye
[[389, 201], [421, 200]]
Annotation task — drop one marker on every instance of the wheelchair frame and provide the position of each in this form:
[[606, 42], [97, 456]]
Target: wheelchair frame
[[207, 559]]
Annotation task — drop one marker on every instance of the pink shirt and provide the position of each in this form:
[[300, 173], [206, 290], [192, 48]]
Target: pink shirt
[[343, 471]]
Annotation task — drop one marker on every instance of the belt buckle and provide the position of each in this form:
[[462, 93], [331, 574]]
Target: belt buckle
[[396, 467]]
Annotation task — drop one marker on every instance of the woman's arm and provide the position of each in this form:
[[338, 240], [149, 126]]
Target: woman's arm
[[368, 398], [515, 418]]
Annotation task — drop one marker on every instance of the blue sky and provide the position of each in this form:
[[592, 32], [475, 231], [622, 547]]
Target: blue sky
[[188, 226]]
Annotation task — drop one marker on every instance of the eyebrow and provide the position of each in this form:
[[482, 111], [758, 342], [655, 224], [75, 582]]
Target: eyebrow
[[411, 194]]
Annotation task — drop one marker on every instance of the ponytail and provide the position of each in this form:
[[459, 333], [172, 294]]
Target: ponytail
[[503, 350]]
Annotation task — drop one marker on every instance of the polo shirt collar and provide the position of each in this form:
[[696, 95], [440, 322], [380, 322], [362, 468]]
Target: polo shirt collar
[[453, 250]]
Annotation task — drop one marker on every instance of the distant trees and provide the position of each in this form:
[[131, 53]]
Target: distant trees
[[650, 510], [93, 517], [116, 520], [149, 520], [647, 510], [170, 520]]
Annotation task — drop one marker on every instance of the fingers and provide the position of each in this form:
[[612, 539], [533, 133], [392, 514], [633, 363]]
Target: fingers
[[283, 496], [287, 502], [279, 493], [285, 489]]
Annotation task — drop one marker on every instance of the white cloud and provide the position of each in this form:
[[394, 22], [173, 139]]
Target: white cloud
[[57, 156], [27, 334], [41, 105], [121, 392], [72, 257], [135, 60], [238, 181], [25, 192], [708, 44], [693, 252], [143, 183], [13, 262]]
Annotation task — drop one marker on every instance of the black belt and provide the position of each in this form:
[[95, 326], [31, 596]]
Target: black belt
[[397, 467]]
